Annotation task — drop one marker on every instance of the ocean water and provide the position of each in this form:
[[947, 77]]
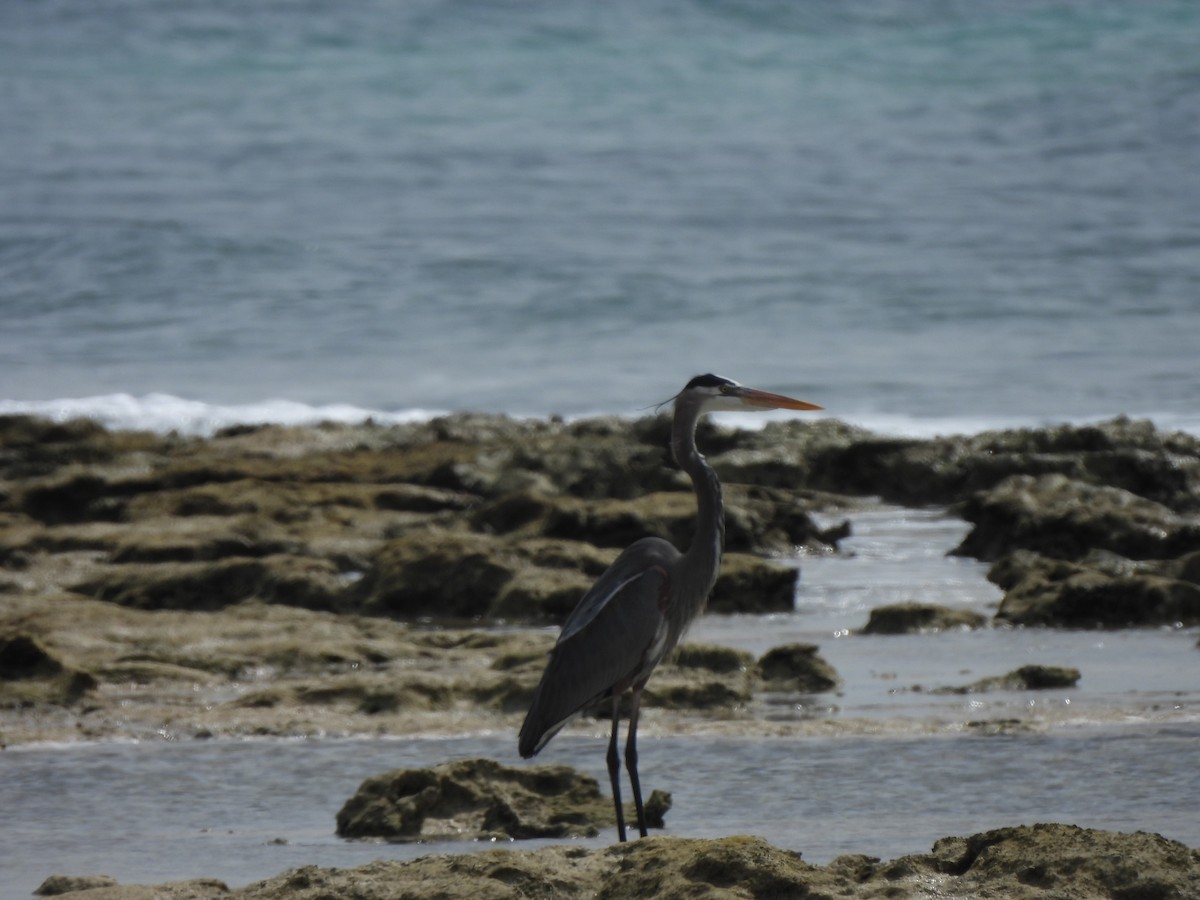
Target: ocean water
[[927, 216]]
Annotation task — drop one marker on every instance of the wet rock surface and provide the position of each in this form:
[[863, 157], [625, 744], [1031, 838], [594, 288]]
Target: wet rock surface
[[798, 667], [354, 518], [1074, 553], [1126, 454], [920, 618], [1064, 518], [479, 799], [66, 884], [1030, 862], [1031, 677], [334, 579], [1100, 590], [101, 887]]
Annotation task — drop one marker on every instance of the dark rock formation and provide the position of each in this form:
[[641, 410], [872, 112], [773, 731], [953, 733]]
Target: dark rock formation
[[55, 885], [102, 887], [920, 618], [22, 656], [748, 584], [713, 658], [1026, 678], [1027, 862], [1066, 861], [205, 586], [1121, 453], [1091, 594], [797, 667], [477, 799], [31, 674], [1065, 519]]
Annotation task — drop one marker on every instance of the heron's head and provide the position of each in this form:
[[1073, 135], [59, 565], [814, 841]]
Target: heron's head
[[712, 393]]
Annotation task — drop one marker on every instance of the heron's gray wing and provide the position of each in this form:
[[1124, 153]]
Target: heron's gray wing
[[605, 643], [633, 563]]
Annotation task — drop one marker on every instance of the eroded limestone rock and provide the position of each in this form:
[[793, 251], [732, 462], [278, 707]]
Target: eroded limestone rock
[[920, 618], [479, 799]]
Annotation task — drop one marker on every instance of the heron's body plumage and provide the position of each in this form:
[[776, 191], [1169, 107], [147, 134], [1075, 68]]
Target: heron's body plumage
[[625, 610]]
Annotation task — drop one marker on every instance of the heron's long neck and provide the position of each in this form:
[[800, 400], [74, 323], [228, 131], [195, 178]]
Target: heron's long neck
[[702, 560]]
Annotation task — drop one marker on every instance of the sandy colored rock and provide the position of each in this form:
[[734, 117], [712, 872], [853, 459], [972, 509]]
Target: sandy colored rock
[[758, 520], [748, 584], [251, 582], [434, 573], [712, 658], [1063, 518], [1027, 862], [1065, 861], [191, 889], [1058, 593], [479, 799], [461, 575], [31, 676], [109, 671], [22, 656], [257, 669], [1027, 678], [1185, 568], [204, 586], [797, 667], [1123, 453], [55, 885]]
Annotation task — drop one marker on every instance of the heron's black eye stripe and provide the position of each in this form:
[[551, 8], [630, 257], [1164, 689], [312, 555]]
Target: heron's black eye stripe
[[710, 381]]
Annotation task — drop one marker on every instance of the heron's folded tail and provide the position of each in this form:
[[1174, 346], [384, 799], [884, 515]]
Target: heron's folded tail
[[535, 734], [526, 743]]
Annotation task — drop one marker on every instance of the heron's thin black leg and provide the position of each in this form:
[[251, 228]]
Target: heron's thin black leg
[[631, 759], [614, 766]]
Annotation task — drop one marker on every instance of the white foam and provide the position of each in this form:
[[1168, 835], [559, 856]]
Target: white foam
[[930, 427], [925, 427], [165, 413]]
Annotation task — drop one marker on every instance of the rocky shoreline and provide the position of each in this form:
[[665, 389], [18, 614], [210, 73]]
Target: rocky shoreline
[[363, 579], [1034, 862]]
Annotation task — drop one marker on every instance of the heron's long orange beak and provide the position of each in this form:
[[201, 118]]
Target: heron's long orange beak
[[767, 400]]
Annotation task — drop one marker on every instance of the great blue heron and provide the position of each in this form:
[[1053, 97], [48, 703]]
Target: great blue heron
[[636, 612]]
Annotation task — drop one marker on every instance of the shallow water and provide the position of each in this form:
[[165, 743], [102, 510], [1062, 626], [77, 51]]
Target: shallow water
[[1119, 751], [897, 555], [248, 810]]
